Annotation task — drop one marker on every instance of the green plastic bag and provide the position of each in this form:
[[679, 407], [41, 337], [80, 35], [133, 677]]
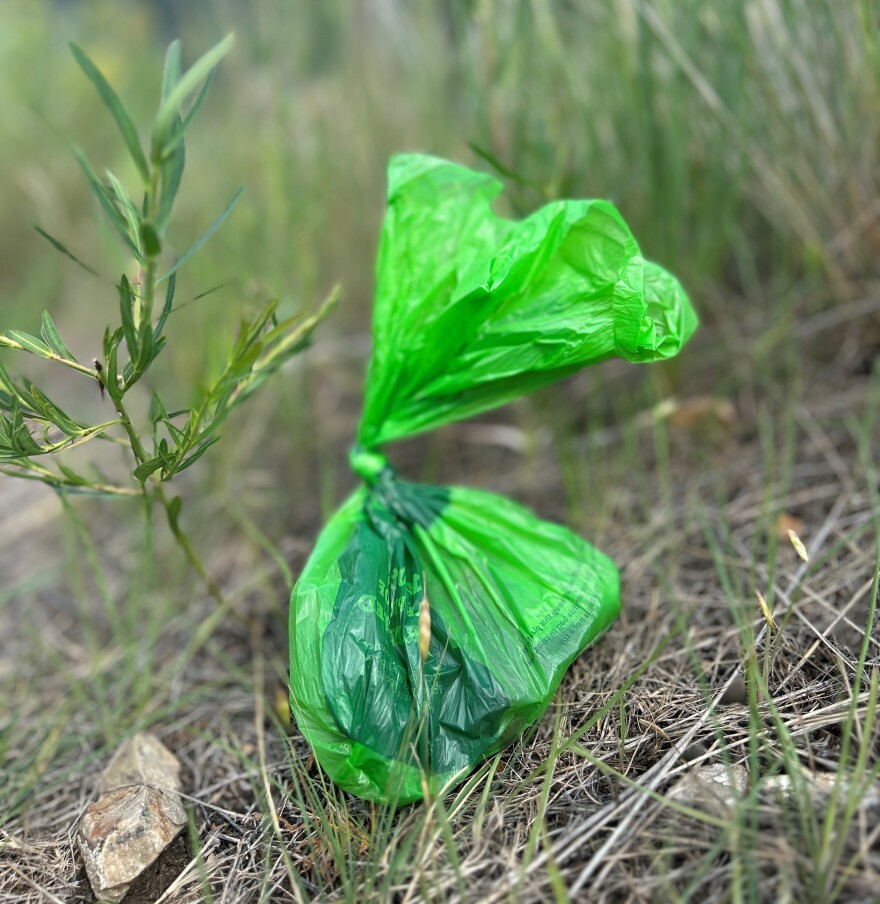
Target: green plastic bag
[[472, 310]]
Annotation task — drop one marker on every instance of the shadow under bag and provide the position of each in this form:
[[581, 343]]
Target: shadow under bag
[[432, 625]]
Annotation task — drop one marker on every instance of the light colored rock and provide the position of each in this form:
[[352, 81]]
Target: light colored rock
[[714, 787], [820, 785], [131, 823], [143, 759]]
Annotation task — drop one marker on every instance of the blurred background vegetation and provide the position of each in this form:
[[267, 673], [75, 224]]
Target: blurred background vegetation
[[739, 140]]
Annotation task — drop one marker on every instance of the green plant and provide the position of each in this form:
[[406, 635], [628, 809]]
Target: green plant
[[34, 429]]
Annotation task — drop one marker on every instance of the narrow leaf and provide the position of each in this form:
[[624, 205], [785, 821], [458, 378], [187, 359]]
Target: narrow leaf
[[166, 309], [176, 434], [156, 347], [111, 99], [111, 373], [65, 251], [110, 341], [61, 420], [24, 443], [24, 397], [171, 171], [192, 459], [30, 343], [157, 409], [21, 440], [107, 202], [128, 210], [180, 128], [5, 380], [126, 315], [53, 340], [211, 230], [145, 347], [171, 75], [72, 477], [142, 472], [162, 130]]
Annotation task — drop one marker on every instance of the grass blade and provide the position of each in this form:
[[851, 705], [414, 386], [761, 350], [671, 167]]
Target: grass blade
[[503, 170], [114, 105], [211, 230], [65, 251]]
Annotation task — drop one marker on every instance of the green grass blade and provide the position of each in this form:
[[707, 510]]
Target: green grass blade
[[211, 230], [114, 105], [65, 251], [501, 168]]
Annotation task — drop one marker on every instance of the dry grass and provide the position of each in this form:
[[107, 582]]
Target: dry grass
[[688, 505]]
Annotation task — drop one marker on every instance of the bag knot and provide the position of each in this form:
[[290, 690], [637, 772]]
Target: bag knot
[[368, 465]]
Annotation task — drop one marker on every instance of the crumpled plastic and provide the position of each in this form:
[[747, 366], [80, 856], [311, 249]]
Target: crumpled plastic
[[472, 310]]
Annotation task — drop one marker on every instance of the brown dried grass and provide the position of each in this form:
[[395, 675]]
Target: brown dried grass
[[577, 809]]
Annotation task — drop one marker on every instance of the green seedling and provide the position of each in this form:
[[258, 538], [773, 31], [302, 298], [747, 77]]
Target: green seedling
[[35, 431]]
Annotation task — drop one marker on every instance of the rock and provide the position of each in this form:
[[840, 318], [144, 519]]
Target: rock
[[714, 787], [138, 814], [819, 785], [142, 760]]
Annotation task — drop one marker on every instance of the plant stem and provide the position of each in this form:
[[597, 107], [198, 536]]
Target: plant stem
[[6, 342], [191, 555], [140, 453], [45, 476]]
